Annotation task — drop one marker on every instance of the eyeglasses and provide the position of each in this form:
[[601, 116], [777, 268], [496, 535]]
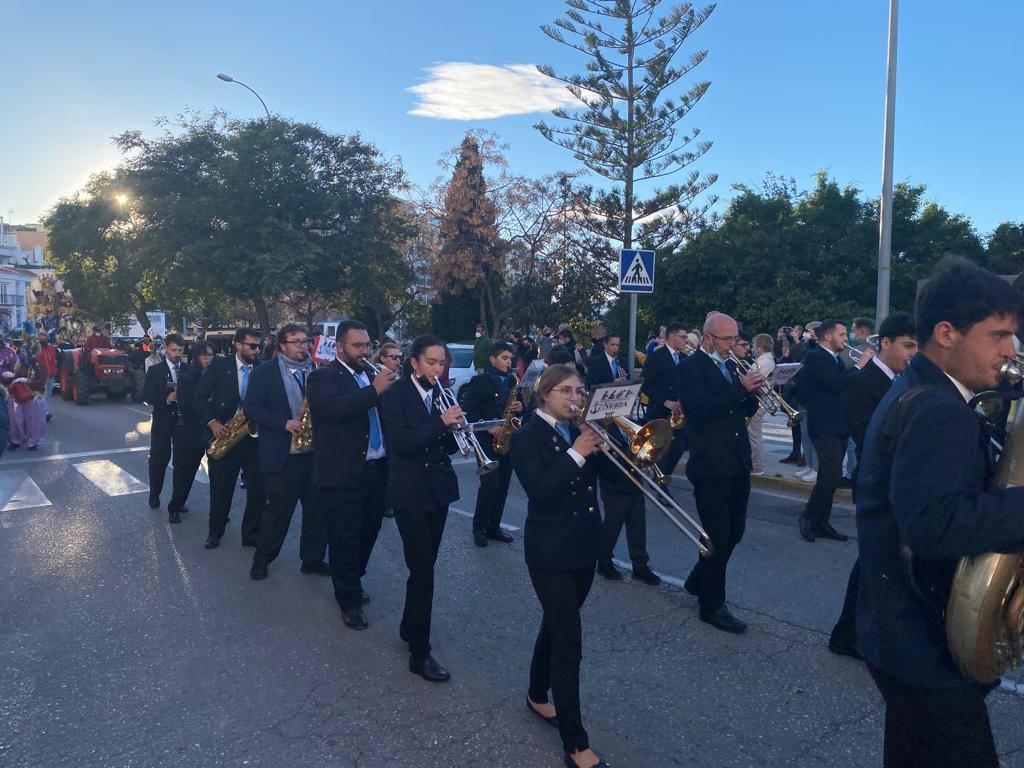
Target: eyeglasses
[[392, 357], [570, 391], [366, 345], [727, 339], [253, 347], [306, 342], [205, 354]]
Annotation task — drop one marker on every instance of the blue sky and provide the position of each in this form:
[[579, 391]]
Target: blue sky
[[796, 86]]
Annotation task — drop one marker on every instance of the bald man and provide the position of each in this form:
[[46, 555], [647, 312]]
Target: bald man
[[717, 402]]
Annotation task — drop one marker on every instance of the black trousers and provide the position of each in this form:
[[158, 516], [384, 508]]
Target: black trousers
[[845, 630], [831, 451], [421, 533], [189, 449], [223, 478], [285, 489], [797, 434], [160, 442], [558, 649], [722, 506], [935, 727], [676, 449], [490, 499], [353, 523], [624, 508]]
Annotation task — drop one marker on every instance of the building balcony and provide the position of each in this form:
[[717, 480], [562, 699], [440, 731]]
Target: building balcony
[[11, 301]]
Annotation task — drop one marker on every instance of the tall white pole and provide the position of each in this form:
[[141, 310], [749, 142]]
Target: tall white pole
[[885, 214]]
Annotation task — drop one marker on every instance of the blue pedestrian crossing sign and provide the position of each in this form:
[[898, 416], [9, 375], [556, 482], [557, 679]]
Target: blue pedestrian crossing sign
[[636, 271]]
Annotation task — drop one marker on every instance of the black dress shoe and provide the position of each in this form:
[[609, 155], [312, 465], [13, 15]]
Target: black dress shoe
[[250, 542], [647, 576], [480, 538], [806, 531], [690, 585], [720, 618], [364, 599], [174, 517], [500, 535], [609, 571], [212, 542], [570, 763], [429, 669], [154, 501], [826, 531], [320, 568], [552, 721], [793, 458], [389, 513], [258, 572], [353, 618], [183, 510], [844, 648]]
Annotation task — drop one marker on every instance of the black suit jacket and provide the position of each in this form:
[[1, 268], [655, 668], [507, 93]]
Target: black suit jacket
[[661, 381], [599, 370], [266, 403], [483, 401], [420, 475], [155, 392], [861, 396], [340, 411], [716, 414], [563, 520], [193, 426], [822, 381], [217, 394]]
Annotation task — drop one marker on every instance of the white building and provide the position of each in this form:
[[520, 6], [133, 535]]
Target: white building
[[18, 267]]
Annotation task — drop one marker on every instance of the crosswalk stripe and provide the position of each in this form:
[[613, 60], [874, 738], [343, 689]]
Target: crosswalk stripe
[[19, 491], [110, 478]]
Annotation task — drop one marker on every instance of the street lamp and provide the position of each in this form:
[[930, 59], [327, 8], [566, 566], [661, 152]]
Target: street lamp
[[230, 79]]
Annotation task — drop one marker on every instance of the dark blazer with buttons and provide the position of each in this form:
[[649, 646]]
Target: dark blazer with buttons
[[661, 381], [155, 392], [340, 411], [716, 414], [420, 476], [563, 520], [217, 394], [599, 370], [861, 396], [822, 381], [193, 428], [266, 403], [483, 401]]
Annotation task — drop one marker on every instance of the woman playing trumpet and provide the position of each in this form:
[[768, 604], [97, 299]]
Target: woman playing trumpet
[[421, 485]]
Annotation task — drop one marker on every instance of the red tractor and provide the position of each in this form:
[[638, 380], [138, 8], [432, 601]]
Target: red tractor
[[103, 370]]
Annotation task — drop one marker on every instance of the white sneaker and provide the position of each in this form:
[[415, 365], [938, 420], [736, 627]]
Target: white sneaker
[[757, 474], [810, 476]]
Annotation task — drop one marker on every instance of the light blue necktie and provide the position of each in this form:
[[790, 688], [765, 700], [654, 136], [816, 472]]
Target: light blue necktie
[[563, 430], [725, 371], [429, 402], [675, 357], [246, 370], [375, 439], [615, 369]]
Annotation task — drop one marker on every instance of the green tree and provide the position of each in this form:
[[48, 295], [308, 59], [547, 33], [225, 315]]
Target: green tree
[[1005, 249]]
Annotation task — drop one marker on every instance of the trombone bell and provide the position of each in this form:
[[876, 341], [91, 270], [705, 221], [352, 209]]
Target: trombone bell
[[647, 444]]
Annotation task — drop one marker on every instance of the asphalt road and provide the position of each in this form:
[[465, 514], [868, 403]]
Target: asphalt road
[[125, 643]]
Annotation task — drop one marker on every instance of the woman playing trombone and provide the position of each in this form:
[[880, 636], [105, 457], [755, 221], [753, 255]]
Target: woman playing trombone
[[555, 462], [421, 485]]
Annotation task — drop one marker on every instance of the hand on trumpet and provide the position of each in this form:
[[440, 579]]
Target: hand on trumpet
[[453, 417], [383, 380], [588, 442], [752, 380], [866, 353], [674, 406]]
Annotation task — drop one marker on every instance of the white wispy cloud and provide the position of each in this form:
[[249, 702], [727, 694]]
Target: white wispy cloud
[[459, 90]]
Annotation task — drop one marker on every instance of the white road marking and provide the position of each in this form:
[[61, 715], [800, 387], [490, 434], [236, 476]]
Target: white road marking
[[19, 491], [464, 513], [81, 455], [110, 478]]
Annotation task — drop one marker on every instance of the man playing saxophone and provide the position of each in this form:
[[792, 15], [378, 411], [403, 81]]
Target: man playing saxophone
[[925, 499], [218, 398], [276, 401], [494, 394]]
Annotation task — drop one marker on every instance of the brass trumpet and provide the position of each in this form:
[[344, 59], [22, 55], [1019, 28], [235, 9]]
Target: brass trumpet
[[766, 396], [465, 437]]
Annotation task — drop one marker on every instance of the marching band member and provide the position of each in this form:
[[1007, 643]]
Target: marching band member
[[191, 436], [661, 385], [562, 541], [218, 397], [421, 485], [161, 391], [274, 401], [350, 465], [717, 402], [486, 398]]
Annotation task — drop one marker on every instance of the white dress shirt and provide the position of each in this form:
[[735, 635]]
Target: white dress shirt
[[364, 381], [885, 368], [964, 391], [579, 459]]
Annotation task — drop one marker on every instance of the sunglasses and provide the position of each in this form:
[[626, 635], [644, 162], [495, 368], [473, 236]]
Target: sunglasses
[[250, 346]]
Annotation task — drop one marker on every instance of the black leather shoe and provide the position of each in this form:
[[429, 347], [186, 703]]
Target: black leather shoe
[[690, 585], [552, 721], [570, 763], [183, 510], [258, 572], [154, 501], [480, 538], [364, 599], [844, 648], [174, 517], [826, 531], [429, 669], [212, 542], [793, 458], [353, 618], [720, 618], [389, 513], [647, 576], [609, 571], [806, 531], [320, 568], [500, 535]]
